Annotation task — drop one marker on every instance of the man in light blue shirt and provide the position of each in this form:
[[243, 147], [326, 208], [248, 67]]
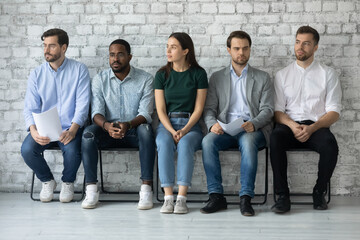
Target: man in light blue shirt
[[236, 91], [121, 106], [63, 83]]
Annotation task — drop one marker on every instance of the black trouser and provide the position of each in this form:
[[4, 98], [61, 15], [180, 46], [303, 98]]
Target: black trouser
[[322, 141]]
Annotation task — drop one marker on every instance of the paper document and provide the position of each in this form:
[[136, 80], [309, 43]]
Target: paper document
[[232, 128], [48, 124]]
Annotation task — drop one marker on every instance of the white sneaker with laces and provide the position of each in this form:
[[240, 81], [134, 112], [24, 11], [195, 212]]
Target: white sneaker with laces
[[91, 198], [146, 197], [47, 191], [180, 206], [168, 206], [67, 192]]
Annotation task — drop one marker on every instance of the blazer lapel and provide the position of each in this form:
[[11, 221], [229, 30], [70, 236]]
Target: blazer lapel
[[227, 89], [249, 85]]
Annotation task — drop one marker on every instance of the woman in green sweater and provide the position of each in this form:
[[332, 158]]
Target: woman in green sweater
[[180, 93]]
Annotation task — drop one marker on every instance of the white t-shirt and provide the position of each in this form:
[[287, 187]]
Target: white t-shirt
[[307, 94]]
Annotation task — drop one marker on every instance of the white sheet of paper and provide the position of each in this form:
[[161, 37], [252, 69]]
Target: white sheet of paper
[[48, 124], [232, 128]]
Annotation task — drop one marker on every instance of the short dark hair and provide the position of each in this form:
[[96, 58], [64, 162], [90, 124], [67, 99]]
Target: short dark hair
[[122, 42], [308, 29], [63, 38], [238, 34]]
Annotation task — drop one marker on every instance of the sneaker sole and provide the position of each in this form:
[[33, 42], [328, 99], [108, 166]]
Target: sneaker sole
[[144, 207], [89, 207], [166, 212], [181, 212]]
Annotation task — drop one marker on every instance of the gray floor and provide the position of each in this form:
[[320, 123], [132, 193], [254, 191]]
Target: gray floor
[[22, 218]]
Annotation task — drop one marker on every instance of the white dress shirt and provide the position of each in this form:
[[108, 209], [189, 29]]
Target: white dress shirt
[[307, 94], [238, 106]]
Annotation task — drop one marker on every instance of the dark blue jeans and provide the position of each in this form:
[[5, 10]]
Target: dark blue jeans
[[31, 152], [141, 137], [248, 145]]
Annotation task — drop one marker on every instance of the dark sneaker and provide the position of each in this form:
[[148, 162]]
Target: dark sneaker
[[215, 203], [319, 200], [245, 206], [282, 205]]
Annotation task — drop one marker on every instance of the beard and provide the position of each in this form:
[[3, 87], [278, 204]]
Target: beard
[[241, 62], [51, 57], [120, 68], [302, 58]]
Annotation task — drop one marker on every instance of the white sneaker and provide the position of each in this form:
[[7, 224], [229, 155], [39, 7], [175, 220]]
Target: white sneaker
[[146, 197], [180, 206], [91, 198], [67, 192], [47, 191], [168, 206]]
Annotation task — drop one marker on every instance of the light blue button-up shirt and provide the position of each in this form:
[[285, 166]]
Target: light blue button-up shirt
[[238, 105], [124, 100], [68, 89]]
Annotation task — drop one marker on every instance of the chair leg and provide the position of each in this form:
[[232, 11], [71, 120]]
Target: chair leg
[[32, 188]]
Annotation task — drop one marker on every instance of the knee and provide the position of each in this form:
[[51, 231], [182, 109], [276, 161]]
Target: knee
[[164, 142], [208, 143], [25, 150], [28, 147], [145, 132], [329, 146]]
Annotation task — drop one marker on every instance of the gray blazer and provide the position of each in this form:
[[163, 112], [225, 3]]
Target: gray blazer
[[259, 96]]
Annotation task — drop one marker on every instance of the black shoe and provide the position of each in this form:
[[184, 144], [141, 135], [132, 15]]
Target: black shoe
[[245, 206], [215, 203], [319, 200], [282, 205]]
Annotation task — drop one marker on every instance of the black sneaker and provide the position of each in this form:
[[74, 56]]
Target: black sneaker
[[215, 203], [245, 206], [282, 205], [319, 200]]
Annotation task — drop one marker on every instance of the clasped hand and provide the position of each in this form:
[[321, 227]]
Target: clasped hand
[[303, 132], [117, 130]]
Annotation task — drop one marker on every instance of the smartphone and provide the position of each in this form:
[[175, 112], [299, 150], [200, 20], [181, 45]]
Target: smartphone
[[116, 124]]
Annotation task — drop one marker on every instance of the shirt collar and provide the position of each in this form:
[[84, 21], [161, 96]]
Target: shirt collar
[[305, 69], [60, 68], [129, 76], [243, 73]]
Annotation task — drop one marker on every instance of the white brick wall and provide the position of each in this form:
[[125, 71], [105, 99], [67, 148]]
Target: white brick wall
[[93, 24]]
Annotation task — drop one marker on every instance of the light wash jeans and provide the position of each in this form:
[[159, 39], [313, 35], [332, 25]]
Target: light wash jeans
[[141, 136], [248, 144], [186, 149], [31, 152]]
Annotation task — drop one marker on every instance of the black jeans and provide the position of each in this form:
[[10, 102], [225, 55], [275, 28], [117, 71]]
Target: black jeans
[[322, 141]]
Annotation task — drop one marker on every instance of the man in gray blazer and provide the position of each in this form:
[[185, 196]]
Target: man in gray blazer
[[237, 91]]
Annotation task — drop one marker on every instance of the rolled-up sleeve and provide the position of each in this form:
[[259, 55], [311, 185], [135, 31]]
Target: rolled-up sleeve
[[146, 106], [334, 94], [82, 97]]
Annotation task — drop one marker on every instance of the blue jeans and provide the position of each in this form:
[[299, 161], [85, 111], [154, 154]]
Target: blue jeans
[[31, 151], [186, 149], [248, 144], [141, 137]]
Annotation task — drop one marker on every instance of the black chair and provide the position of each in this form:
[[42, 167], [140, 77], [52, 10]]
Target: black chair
[[102, 177], [56, 192], [304, 194], [264, 194]]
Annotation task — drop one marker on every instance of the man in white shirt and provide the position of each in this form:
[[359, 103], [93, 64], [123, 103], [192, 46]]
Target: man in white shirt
[[307, 103]]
